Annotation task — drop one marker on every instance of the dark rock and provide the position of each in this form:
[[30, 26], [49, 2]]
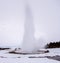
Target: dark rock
[[4, 48], [57, 57], [47, 51]]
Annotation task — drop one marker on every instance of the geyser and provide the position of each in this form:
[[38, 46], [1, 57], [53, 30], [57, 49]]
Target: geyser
[[28, 39]]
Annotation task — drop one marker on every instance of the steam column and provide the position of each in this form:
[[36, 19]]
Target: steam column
[[28, 39]]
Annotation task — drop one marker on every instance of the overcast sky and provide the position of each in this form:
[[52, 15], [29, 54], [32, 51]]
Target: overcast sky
[[46, 16]]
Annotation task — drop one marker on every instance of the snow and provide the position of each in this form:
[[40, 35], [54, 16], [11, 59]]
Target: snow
[[27, 60], [54, 51], [17, 58]]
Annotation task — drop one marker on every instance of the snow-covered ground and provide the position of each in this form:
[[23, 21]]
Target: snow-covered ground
[[5, 57]]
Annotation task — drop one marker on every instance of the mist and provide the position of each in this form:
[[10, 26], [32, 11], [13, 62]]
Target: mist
[[46, 16]]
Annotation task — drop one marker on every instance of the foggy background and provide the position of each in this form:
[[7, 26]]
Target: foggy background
[[46, 16]]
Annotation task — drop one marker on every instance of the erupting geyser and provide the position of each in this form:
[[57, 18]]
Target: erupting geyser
[[28, 39]]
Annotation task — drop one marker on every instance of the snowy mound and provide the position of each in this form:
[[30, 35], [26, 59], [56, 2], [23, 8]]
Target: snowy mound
[[19, 51]]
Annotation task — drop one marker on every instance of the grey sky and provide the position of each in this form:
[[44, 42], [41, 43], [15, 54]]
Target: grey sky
[[46, 15]]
